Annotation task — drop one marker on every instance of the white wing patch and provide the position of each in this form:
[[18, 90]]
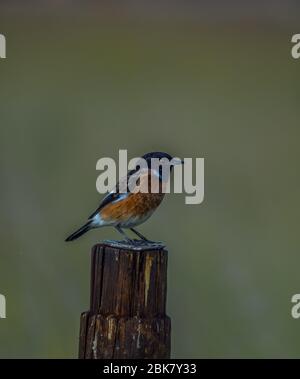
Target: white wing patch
[[97, 220]]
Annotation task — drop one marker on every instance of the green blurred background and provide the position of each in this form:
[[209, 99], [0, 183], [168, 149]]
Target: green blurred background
[[195, 79]]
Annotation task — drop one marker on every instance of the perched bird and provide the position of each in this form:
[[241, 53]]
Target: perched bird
[[127, 209]]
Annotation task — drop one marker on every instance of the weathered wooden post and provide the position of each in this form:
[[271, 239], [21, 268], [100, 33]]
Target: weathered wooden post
[[127, 316]]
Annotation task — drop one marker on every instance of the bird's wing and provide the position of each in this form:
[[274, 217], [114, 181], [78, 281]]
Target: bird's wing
[[115, 194]]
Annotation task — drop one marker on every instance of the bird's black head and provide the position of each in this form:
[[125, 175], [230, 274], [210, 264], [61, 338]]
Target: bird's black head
[[156, 154], [164, 159]]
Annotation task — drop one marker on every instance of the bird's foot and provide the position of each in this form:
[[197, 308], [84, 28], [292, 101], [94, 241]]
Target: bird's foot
[[139, 242], [149, 242]]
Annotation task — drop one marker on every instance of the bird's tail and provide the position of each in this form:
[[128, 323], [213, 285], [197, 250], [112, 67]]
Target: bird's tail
[[85, 228]]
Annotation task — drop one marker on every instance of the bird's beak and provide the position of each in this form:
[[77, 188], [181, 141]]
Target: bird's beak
[[177, 161]]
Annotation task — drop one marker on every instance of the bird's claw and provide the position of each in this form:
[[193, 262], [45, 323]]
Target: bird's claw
[[140, 242]]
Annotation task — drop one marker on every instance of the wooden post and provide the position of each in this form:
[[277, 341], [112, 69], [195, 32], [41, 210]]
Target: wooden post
[[127, 316]]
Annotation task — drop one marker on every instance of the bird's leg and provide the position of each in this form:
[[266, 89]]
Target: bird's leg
[[129, 240], [141, 236]]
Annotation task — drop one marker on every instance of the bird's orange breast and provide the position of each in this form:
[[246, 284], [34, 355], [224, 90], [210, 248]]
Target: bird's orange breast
[[134, 205]]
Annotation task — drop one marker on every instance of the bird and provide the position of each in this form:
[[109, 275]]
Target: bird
[[128, 209]]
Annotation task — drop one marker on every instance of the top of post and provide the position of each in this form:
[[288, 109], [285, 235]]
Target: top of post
[[138, 245]]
